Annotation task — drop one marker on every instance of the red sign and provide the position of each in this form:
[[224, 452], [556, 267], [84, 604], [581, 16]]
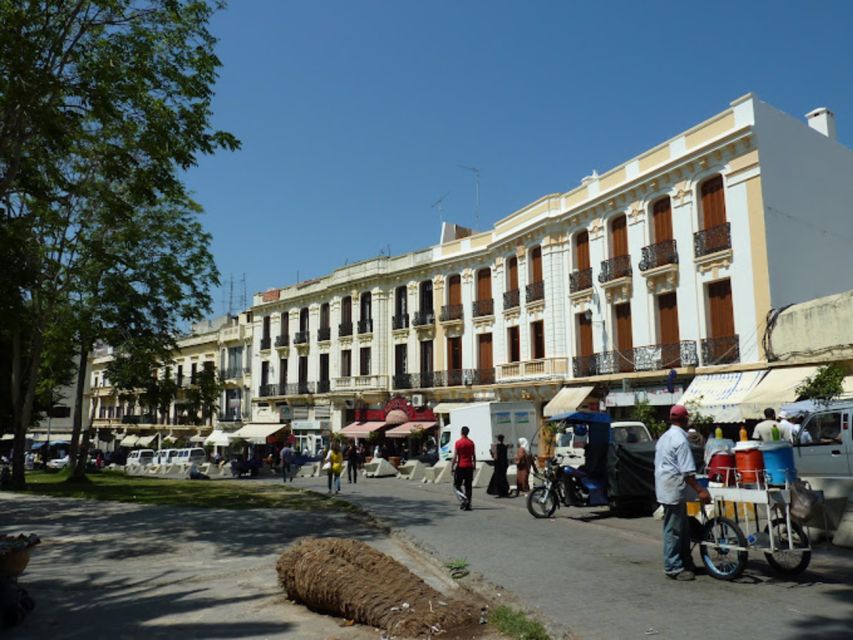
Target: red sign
[[271, 295]]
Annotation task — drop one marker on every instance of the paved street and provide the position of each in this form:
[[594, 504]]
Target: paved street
[[601, 577]]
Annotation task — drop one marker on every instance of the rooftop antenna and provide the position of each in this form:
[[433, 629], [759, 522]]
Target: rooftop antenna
[[476, 172], [230, 294], [243, 300], [439, 206]]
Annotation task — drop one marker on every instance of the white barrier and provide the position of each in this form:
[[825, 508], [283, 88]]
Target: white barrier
[[482, 474], [308, 470], [412, 470], [379, 468]]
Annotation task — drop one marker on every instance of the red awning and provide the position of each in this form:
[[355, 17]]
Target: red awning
[[361, 429], [405, 429]]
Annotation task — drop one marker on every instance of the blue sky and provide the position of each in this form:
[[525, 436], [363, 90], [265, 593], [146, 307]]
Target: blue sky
[[355, 115]]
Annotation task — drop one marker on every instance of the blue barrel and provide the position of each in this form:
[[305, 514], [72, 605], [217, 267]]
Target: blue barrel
[[779, 462]]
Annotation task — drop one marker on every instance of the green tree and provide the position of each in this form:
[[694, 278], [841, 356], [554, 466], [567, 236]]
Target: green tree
[[824, 386], [209, 389], [644, 412]]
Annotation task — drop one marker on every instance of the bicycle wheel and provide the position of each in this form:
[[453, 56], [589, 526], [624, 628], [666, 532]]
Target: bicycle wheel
[[719, 549], [785, 560], [541, 503]]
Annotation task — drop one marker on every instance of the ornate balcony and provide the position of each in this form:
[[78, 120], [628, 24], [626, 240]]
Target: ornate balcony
[[301, 337], [583, 366], [512, 299], [299, 388], [360, 382], [482, 376], [534, 292], [422, 380], [712, 240], [615, 362], [282, 341], [265, 343], [666, 356], [268, 390], [402, 381], [424, 318], [615, 268], [451, 313], [400, 322], [484, 308], [659, 255], [324, 386], [543, 367], [345, 329], [324, 334], [460, 377], [231, 373], [365, 326], [721, 350], [580, 280]]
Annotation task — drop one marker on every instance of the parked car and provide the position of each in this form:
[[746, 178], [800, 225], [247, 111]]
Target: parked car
[[140, 456], [165, 456], [824, 444], [58, 463], [188, 456]]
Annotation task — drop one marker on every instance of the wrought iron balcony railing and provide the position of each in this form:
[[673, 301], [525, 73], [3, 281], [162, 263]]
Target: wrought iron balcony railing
[[658, 255], [299, 388], [484, 308], [402, 381], [666, 356], [424, 318], [711, 240], [615, 362], [301, 337], [535, 291], [450, 312], [583, 366], [345, 329], [724, 350], [323, 386], [365, 326], [613, 268], [512, 299], [282, 340], [324, 334], [400, 321], [231, 373], [265, 343], [268, 390], [423, 380], [460, 377], [483, 376], [580, 280]]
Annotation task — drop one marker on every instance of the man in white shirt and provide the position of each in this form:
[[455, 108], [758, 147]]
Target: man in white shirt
[[787, 429], [674, 471], [764, 429]]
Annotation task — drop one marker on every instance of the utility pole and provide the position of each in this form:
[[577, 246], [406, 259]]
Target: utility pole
[[438, 205], [476, 172]]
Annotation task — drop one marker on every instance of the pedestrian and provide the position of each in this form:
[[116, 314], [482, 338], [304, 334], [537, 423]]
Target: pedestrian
[[498, 485], [352, 463], [335, 460], [523, 462], [674, 471], [695, 438], [463, 464], [787, 427], [286, 463], [764, 430]]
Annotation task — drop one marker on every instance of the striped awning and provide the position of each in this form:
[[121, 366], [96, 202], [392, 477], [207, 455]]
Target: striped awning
[[720, 395], [129, 441], [405, 430], [361, 429]]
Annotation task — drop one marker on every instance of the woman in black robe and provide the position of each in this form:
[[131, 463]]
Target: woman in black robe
[[498, 485]]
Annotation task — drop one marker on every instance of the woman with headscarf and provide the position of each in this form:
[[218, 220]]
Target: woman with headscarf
[[498, 485], [523, 461]]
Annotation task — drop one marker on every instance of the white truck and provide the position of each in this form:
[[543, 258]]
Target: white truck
[[487, 420], [570, 445]]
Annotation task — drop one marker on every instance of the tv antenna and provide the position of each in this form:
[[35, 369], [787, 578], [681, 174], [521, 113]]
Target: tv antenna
[[439, 206], [476, 172]]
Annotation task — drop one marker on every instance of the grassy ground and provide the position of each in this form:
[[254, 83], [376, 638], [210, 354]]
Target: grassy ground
[[516, 624], [220, 494]]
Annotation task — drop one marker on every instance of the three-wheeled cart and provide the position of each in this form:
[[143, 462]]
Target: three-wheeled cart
[[761, 522]]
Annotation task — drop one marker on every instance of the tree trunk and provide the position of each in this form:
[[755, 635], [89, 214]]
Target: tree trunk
[[83, 454], [74, 449], [23, 397]]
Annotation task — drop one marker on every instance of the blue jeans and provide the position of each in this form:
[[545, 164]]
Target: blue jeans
[[334, 481], [676, 539]]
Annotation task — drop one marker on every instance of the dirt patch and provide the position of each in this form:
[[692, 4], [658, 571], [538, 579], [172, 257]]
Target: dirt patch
[[351, 579]]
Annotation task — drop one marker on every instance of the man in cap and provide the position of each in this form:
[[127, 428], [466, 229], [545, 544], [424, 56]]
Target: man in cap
[[674, 471]]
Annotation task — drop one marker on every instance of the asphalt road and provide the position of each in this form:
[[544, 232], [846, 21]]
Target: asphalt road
[[601, 577]]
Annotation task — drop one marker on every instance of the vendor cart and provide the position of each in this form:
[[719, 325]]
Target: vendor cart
[[762, 522]]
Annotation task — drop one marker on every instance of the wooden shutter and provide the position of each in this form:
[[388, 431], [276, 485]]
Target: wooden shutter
[[584, 335], [582, 249], [400, 359], [536, 265], [619, 237], [454, 354], [484, 284], [364, 368], [713, 203], [346, 310], [346, 363], [455, 290], [720, 307], [324, 315], [537, 336], [303, 368], [667, 319], [484, 343], [662, 220], [514, 344], [624, 334], [282, 372], [324, 367], [426, 356], [512, 271]]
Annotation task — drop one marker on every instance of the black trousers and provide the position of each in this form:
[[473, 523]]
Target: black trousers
[[464, 477], [352, 471], [285, 472]]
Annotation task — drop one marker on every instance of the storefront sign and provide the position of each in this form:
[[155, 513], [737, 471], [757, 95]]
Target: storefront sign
[[285, 412], [503, 417], [522, 417], [656, 396], [309, 425]]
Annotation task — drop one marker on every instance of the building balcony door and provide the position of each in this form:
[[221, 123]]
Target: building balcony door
[[618, 237], [668, 319], [582, 250], [536, 265], [454, 354], [662, 220], [485, 361], [454, 290], [713, 203], [624, 335], [721, 313]]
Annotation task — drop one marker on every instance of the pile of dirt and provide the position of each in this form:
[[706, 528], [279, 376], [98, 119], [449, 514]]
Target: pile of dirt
[[351, 579]]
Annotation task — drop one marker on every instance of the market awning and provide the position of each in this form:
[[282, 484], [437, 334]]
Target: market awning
[[720, 395], [145, 441], [361, 429], [567, 399], [405, 430], [447, 407], [217, 438], [128, 441], [257, 432], [777, 388], [197, 438]]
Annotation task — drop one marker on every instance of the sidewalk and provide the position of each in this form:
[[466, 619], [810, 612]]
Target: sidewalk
[[600, 577]]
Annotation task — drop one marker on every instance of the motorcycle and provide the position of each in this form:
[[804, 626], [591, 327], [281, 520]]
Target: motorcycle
[[564, 485]]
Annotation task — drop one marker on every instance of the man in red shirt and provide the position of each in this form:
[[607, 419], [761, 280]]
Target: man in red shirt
[[463, 464]]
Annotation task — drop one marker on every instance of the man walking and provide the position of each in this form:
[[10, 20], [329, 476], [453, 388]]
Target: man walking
[[286, 463], [352, 463], [674, 471], [463, 464]]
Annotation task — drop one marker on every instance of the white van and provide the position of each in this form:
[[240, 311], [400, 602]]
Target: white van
[[140, 456], [188, 456], [165, 456]]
